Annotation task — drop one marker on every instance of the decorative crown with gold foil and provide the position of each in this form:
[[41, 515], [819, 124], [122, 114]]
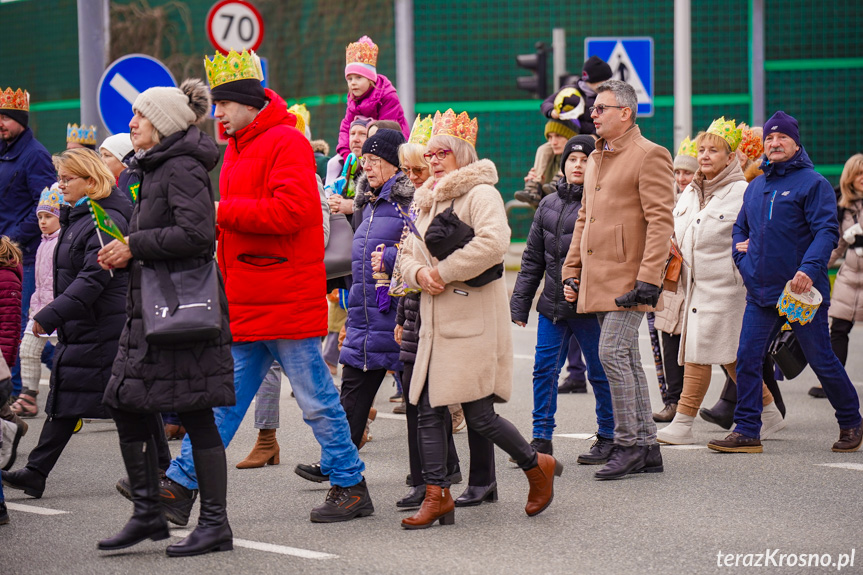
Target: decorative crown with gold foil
[[727, 130], [461, 126], [363, 51], [17, 100], [223, 69], [751, 143], [85, 135], [421, 131], [304, 118], [687, 148]]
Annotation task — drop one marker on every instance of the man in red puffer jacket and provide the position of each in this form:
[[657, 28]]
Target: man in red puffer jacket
[[271, 254]]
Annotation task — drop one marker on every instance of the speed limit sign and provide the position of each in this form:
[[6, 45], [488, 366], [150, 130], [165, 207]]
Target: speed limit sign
[[235, 25]]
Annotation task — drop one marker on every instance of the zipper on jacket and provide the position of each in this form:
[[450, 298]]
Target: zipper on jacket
[[558, 263], [365, 300], [772, 198]]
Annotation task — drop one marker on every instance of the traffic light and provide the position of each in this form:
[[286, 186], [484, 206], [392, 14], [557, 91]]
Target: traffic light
[[537, 84]]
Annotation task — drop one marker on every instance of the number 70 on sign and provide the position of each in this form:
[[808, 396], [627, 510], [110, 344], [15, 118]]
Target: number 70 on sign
[[235, 25]]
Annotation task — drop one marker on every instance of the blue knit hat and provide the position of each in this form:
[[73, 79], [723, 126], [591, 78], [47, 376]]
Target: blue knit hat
[[783, 123]]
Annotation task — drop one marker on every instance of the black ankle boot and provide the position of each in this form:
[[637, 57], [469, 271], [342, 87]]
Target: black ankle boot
[[147, 521], [414, 498], [28, 480], [477, 494], [213, 532], [622, 461], [722, 414]]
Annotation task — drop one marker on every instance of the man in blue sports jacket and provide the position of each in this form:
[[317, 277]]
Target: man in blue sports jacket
[[786, 231]]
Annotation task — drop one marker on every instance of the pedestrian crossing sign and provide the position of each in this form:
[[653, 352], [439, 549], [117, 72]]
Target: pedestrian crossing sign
[[631, 60]]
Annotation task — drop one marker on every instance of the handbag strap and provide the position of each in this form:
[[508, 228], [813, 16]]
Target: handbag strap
[[166, 285]]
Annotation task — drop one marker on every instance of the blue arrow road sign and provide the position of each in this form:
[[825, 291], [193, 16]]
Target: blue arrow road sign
[[631, 60], [122, 82]]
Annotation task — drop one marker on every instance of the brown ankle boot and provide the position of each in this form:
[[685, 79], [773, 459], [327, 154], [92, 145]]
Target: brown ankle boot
[[265, 452], [437, 505], [541, 478]]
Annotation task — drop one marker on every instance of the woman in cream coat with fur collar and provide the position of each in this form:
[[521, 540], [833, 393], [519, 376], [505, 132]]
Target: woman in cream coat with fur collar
[[715, 294], [465, 331]]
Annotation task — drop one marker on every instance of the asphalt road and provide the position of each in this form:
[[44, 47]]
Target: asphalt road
[[797, 498]]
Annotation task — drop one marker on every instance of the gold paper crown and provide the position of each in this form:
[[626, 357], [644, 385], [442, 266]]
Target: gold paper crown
[[727, 130], [304, 118], [421, 131], [17, 100], [85, 135], [687, 148], [751, 144], [233, 67], [363, 51], [461, 126]]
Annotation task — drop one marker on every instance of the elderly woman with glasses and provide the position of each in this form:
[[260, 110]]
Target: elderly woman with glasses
[[465, 345]]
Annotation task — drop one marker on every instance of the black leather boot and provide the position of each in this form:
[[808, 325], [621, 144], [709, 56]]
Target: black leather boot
[[147, 520], [29, 480], [477, 494], [622, 461], [213, 532], [722, 414], [414, 498]]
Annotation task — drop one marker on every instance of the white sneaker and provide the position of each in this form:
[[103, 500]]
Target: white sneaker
[[771, 420], [678, 432]]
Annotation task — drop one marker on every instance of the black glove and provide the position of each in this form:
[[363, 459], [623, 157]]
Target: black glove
[[574, 285], [570, 101], [643, 294]]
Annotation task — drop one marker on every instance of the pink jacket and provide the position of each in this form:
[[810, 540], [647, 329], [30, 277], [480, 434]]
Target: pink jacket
[[381, 102], [44, 293]]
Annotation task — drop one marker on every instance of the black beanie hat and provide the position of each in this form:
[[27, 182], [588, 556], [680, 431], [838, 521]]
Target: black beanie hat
[[595, 69], [248, 92], [20, 116], [385, 144], [584, 144]]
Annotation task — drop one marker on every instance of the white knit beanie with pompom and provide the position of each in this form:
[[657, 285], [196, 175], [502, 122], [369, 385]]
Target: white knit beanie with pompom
[[172, 110]]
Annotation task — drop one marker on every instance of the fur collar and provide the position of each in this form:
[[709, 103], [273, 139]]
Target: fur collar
[[401, 191], [456, 184]]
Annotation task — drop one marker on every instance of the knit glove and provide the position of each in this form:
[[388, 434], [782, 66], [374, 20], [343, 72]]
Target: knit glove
[[643, 294]]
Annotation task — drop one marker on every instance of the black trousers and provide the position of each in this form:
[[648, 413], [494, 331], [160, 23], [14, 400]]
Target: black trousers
[[839, 330], [56, 433], [200, 425], [673, 371], [480, 415], [358, 395]]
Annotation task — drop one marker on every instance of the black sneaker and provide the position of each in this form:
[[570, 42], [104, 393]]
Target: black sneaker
[[176, 500], [570, 385], [344, 504], [599, 452], [4, 514], [311, 472]]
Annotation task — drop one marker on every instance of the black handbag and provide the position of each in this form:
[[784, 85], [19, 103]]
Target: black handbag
[[787, 354], [337, 255], [447, 233], [182, 306]]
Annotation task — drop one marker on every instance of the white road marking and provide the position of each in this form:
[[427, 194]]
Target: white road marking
[[576, 435], [269, 547], [33, 509], [399, 416], [854, 466], [522, 356], [124, 88]]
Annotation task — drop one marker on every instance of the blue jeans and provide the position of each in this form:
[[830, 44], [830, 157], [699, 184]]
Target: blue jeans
[[761, 325], [28, 288], [315, 392], [552, 346]]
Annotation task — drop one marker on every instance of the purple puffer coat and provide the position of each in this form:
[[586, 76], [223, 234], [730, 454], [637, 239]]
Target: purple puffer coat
[[381, 102]]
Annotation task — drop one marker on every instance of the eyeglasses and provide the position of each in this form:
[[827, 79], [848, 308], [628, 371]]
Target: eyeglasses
[[600, 110], [369, 161], [65, 181], [440, 155], [416, 171]]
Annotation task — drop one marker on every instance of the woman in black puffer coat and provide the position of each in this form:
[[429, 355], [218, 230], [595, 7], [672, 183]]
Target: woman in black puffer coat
[[87, 312], [174, 223]]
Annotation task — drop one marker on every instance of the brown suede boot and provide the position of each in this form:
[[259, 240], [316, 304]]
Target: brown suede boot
[[541, 480], [437, 505], [265, 452]]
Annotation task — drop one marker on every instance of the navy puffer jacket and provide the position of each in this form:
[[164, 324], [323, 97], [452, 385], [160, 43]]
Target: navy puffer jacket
[[547, 245], [369, 343]]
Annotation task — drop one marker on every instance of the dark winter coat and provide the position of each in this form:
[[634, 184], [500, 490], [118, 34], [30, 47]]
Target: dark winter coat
[[25, 170], [10, 312], [547, 245], [369, 343], [789, 218], [87, 311], [173, 221], [408, 316]]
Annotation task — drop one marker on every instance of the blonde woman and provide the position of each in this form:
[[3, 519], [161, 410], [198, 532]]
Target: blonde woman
[[88, 313]]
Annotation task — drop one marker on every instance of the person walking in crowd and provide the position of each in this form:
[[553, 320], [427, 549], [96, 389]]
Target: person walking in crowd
[[87, 313], [784, 236], [172, 230], [26, 170], [714, 295], [48, 214], [547, 245], [114, 152], [269, 224], [10, 337], [464, 329], [616, 260], [668, 321]]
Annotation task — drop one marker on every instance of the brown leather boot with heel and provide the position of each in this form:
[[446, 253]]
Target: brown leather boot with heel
[[541, 478], [437, 505], [265, 452]]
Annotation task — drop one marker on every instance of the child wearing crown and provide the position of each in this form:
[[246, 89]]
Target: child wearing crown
[[48, 214], [369, 94]]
